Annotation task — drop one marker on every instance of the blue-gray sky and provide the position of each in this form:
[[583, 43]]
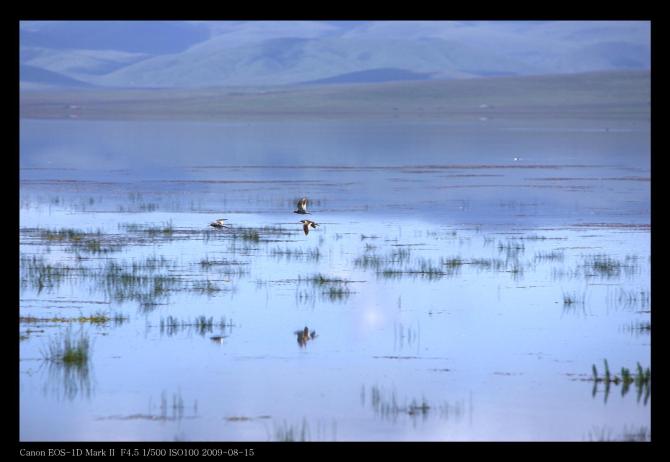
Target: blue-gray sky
[[211, 53]]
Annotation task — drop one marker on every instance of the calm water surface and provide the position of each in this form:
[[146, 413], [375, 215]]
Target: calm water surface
[[462, 283]]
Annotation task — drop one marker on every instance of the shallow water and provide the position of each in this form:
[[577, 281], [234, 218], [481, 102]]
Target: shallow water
[[461, 284]]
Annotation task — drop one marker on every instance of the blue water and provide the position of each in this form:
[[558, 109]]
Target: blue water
[[493, 352]]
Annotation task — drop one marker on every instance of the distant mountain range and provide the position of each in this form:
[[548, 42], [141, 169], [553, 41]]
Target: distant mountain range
[[150, 54]]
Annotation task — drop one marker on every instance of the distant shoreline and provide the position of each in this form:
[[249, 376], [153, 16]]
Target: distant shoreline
[[621, 95]]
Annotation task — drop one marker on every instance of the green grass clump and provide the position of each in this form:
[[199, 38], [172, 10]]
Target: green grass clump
[[452, 262], [164, 229], [64, 234], [605, 266], [99, 318], [69, 350], [91, 242]]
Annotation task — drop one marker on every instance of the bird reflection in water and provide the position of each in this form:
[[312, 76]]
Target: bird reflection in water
[[305, 336]]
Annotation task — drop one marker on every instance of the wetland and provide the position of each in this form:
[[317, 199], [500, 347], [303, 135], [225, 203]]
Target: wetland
[[469, 280]]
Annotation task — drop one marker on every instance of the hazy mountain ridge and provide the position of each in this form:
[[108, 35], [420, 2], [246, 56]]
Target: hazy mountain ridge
[[42, 77], [207, 53]]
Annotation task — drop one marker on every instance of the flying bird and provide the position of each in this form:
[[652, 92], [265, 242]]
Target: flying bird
[[218, 223], [302, 206], [306, 224]]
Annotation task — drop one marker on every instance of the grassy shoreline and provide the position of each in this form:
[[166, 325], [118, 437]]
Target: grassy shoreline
[[609, 95]]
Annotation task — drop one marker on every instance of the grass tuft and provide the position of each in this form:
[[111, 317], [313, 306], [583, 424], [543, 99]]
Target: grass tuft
[[69, 349]]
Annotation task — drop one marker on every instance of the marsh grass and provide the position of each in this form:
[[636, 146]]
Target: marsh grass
[[205, 287], [208, 263], [571, 299], [149, 281], [320, 280], [337, 293], [79, 241], [136, 284], [639, 327], [99, 318], [63, 235], [250, 235], [449, 410], [161, 230], [333, 289], [606, 434], [225, 268], [202, 325], [552, 256], [452, 264], [491, 264], [39, 274], [403, 335], [640, 299], [296, 254], [289, 433], [511, 248], [388, 407], [69, 349], [150, 264], [177, 407], [262, 234], [399, 263], [636, 434], [397, 256], [304, 297], [641, 379], [418, 408], [602, 266], [69, 380], [425, 269], [369, 261], [606, 267]]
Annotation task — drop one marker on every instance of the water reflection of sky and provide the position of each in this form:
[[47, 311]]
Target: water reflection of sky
[[495, 345], [445, 173]]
